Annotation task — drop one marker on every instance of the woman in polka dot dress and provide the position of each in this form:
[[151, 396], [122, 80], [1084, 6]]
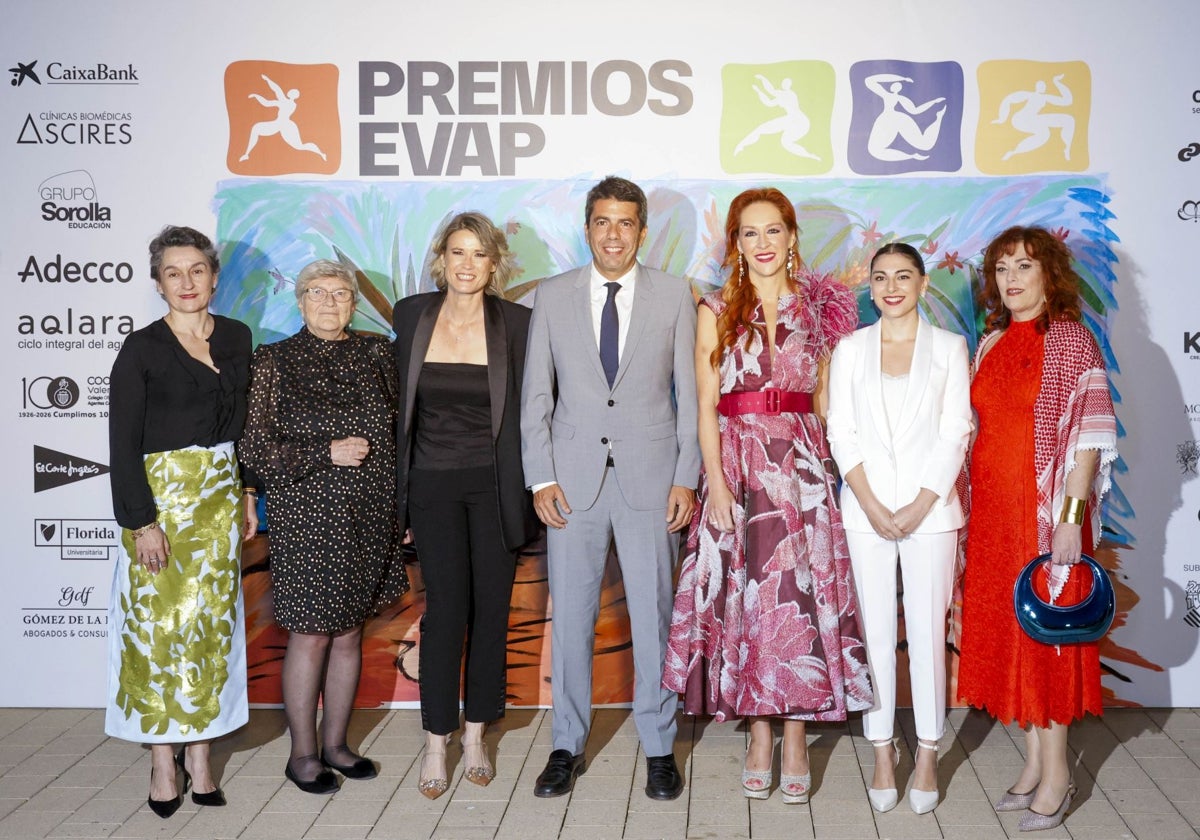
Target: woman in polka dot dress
[[321, 435]]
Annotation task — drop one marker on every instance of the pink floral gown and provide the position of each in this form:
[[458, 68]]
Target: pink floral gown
[[765, 619]]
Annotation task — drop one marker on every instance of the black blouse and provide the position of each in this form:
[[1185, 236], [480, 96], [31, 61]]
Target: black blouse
[[453, 428], [162, 399]]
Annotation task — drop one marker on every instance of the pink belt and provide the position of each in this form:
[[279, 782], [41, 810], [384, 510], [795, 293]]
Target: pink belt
[[767, 401]]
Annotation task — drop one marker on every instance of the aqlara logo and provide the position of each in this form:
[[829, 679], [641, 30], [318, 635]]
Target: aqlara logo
[[54, 469], [283, 118]]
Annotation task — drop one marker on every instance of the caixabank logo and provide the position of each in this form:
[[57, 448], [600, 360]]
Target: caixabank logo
[[283, 118], [1033, 117], [776, 117]]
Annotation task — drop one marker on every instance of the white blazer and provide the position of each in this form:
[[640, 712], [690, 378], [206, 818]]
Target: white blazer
[[929, 443]]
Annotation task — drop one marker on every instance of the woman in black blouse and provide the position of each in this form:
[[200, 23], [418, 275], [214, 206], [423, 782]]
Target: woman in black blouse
[[461, 356], [177, 665], [321, 434]]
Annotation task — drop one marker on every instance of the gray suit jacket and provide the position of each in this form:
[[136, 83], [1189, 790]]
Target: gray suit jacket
[[569, 415]]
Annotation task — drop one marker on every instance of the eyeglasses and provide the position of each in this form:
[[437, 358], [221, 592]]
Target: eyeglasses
[[317, 295]]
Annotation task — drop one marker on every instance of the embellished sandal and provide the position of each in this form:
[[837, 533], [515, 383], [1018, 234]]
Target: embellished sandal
[[479, 770], [431, 786]]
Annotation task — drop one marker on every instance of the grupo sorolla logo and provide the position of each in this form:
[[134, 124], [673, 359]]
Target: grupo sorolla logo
[[68, 73], [70, 198], [47, 393], [54, 469]]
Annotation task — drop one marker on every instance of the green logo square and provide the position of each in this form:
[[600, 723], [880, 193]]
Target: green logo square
[[776, 117]]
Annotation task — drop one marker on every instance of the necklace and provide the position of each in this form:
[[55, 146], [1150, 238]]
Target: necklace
[[462, 332]]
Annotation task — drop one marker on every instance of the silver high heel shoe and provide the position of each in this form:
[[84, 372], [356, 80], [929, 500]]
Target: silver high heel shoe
[[924, 801], [886, 799], [1031, 820], [1011, 801]]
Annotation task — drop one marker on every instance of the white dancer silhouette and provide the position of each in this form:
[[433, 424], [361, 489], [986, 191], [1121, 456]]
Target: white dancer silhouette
[[897, 121], [283, 124], [793, 125], [1029, 119]]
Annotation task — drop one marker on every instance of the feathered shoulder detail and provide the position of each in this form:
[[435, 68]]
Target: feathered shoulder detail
[[828, 309]]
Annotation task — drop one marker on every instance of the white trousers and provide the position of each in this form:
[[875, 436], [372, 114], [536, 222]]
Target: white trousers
[[927, 566]]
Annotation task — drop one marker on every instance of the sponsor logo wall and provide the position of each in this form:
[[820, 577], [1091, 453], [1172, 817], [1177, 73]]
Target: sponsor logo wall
[[292, 137]]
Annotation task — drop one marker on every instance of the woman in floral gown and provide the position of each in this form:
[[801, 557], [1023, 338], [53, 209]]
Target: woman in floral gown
[[765, 620]]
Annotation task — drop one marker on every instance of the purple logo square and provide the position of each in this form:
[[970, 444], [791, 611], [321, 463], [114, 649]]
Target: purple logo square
[[907, 117]]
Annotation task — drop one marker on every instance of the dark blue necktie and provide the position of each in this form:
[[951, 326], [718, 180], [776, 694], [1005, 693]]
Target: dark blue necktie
[[609, 330]]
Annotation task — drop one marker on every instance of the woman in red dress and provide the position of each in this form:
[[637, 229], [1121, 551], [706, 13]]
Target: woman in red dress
[[1041, 397], [765, 623]]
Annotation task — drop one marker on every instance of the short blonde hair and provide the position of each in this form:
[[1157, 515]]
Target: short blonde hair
[[490, 237], [317, 269]]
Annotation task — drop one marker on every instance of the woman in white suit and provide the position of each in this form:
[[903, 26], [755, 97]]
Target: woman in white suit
[[899, 421]]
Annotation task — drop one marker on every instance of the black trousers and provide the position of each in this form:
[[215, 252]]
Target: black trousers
[[468, 575]]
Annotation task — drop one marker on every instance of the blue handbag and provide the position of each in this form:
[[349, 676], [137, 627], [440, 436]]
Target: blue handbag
[[1051, 624]]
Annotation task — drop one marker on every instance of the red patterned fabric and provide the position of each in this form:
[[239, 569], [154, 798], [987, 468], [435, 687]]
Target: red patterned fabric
[[1034, 395], [765, 619]]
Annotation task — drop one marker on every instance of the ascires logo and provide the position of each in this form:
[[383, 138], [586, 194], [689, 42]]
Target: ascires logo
[[283, 118]]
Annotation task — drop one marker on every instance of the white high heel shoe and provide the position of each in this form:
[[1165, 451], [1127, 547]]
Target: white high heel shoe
[[886, 799], [923, 801]]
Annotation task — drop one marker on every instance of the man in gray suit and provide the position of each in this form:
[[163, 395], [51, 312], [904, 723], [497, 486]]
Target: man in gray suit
[[608, 440]]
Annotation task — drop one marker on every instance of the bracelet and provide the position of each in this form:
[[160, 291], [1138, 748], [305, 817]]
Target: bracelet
[[138, 533], [1072, 512]]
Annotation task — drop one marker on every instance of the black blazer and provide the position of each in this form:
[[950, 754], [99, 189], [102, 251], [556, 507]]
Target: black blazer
[[506, 327]]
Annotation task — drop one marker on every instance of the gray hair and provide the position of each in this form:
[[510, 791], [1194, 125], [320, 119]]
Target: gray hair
[[317, 269], [175, 236], [493, 242]]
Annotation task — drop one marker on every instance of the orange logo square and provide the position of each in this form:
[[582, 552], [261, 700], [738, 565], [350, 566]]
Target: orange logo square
[[283, 118]]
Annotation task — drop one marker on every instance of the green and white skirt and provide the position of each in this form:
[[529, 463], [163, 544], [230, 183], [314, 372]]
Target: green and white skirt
[[177, 642]]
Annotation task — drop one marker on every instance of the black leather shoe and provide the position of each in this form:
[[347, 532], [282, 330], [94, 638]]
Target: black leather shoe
[[213, 799], [165, 808], [360, 768], [559, 776], [663, 779]]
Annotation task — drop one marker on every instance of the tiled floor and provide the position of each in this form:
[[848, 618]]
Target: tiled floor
[[1138, 773]]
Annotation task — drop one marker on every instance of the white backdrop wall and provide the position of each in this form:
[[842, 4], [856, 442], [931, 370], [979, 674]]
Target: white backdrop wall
[[881, 120]]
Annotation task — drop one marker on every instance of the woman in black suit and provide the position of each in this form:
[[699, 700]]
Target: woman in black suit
[[460, 353]]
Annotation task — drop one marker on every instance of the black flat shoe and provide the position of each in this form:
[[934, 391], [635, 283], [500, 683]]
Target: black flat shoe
[[360, 768], [663, 779], [163, 807], [558, 778], [325, 782], [213, 799]]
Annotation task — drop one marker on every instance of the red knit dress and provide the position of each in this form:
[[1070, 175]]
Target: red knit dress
[[1002, 670]]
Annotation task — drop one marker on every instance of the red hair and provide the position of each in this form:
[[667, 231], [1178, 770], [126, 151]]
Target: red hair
[[1060, 283], [738, 293]]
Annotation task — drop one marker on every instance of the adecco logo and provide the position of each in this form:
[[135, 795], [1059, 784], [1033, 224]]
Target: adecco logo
[[283, 118]]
